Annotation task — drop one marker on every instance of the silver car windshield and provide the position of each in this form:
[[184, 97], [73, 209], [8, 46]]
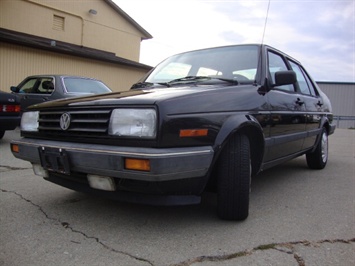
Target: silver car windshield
[[230, 62]]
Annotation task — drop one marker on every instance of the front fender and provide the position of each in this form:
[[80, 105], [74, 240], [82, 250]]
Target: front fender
[[232, 125], [244, 124]]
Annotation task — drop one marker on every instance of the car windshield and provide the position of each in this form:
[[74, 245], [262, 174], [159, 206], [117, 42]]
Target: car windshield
[[81, 85], [231, 62]]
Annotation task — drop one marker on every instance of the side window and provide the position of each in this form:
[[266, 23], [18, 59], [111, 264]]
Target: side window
[[301, 80], [310, 84], [46, 86], [38, 86], [29, 86], [276, 63]]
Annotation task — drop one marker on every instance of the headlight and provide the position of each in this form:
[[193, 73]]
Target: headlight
[[29, 121], [133, 123]]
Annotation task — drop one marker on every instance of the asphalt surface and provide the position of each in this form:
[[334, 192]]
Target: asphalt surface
[[297, 217]]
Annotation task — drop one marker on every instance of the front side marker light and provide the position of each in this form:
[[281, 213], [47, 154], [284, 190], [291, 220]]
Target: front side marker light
[[184, 133], [15, 148], [137, 164]]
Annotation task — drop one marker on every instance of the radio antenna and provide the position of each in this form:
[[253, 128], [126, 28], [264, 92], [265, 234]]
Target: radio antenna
[[267, 15]]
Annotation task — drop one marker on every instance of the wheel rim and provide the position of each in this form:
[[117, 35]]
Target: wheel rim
[[324, 147]]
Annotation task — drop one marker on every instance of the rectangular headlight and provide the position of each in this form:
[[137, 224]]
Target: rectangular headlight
[[29, 121], [133, 123]]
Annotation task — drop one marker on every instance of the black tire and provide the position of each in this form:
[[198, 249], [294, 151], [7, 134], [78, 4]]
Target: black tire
[[233, 181], [2, 132], [319, 157]]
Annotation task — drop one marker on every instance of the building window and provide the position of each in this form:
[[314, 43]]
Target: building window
[[58, 23]]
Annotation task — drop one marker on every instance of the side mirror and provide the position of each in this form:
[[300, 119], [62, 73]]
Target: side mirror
[[14, 89], [285, 78]]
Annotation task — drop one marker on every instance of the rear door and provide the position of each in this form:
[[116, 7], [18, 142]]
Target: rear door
[[313, 103]]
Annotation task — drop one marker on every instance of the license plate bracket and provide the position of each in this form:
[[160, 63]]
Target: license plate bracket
[[54, 160]]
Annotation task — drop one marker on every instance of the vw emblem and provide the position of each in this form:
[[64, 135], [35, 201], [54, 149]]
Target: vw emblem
[[64, 121]]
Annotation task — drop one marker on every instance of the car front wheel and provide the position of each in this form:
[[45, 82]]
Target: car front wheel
[[234, 177], [319, 157]]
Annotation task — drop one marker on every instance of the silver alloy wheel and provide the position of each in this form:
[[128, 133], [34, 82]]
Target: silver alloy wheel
[[324, 141]]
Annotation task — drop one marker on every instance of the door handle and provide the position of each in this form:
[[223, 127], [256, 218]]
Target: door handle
[[299, 102]]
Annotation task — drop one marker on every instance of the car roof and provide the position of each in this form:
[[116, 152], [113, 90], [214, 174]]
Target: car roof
[[262, 46], [59, 76]]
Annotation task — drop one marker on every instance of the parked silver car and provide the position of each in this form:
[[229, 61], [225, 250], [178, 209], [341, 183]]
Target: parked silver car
[[42, 88]]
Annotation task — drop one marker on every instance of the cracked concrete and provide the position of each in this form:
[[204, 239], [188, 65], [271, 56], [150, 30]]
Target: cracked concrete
[[297, 250], [69, 227], [294, 249], [302, 218], [5, 168]]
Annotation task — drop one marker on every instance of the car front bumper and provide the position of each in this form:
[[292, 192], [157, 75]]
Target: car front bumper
[[166, 164], [172, 170]]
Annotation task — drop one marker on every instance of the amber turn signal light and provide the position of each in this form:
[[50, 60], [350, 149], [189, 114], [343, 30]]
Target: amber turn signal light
[[193, 133], [15, 148], [137, 164]]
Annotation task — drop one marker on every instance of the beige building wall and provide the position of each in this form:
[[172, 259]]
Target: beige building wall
[[28, 61], [70, 21]]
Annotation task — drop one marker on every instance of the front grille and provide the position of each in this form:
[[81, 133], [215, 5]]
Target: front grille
[[82, 122]]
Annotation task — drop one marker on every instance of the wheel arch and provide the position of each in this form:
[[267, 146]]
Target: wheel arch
[[326, 124], [249, 126]]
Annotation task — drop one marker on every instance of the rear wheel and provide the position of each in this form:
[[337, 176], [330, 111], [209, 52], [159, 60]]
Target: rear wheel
[[319, 157], [234, 177]]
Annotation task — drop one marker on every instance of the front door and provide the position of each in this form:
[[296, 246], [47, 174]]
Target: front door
[[35, 90], [287, 115]]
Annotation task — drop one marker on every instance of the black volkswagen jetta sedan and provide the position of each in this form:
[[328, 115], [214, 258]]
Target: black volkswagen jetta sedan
[[202, 120]]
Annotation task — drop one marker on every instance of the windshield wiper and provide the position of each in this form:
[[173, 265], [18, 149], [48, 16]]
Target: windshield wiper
[[185, 79], [145, 84], [198, 79], [189, 78], [141, 85]]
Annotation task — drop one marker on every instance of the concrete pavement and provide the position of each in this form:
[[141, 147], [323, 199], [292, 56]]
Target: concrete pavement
[[297, 217]]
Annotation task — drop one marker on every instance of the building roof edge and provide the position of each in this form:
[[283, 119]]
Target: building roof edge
[[146, 34], [56, 46]]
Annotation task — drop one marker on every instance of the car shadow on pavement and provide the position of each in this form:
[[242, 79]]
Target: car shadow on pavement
[[268, 182]]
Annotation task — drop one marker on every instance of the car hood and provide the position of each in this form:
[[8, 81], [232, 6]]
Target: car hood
[[175, 97]]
